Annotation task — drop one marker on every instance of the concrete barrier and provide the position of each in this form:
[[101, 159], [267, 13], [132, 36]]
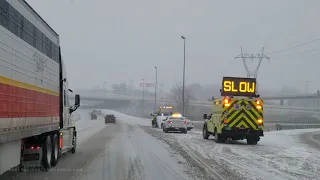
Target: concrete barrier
[[280, 127]]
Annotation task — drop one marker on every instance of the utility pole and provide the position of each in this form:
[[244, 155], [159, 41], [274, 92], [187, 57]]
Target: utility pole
[[252, 73], [155, 90], [184, 74]]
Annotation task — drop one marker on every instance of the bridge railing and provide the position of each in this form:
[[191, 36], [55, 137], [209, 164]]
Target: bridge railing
[[199, 103]]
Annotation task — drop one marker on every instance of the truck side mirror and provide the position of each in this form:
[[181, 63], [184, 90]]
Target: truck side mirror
[[205, 116], [77, 100], [76, 104]]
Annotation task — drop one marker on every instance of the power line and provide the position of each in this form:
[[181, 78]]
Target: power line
[[299, 53], [293, 47]]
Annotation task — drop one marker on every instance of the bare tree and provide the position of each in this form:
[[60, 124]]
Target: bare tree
[[176, 93]]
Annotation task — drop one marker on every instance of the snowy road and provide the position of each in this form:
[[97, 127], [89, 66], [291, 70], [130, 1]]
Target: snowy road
[[121, 151], [279, 155], [132, 150]]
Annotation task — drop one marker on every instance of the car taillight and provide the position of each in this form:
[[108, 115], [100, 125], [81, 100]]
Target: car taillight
[[184, 122], [169, 122], [258, 104], [226, 101], [32, 147]]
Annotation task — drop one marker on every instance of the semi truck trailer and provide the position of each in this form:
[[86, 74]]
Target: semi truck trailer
[[35, 114]]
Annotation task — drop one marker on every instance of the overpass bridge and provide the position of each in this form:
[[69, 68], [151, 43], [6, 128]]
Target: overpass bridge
[[122, 100]]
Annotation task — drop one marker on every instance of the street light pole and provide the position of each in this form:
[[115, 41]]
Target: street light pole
[[184, 73], [306, 93], [143, 97], [155, 90], [161, 92]]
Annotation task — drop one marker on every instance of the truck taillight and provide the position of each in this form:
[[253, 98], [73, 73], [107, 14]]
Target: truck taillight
[[226, 101], [260, 121], [258, 104], [169, 122], [60, 141]]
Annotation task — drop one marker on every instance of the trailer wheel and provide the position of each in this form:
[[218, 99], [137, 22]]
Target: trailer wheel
[[73, 150], [55, 150], [47, 153]]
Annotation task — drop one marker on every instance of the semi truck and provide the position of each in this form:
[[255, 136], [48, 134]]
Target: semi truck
[[35, 114]]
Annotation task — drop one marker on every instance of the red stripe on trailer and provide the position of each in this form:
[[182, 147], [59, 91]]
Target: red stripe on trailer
[[17, 102]]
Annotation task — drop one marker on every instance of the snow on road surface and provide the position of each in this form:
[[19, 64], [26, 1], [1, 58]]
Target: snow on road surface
[[132, 150], [87, 127], [278, 155], [121, 151]]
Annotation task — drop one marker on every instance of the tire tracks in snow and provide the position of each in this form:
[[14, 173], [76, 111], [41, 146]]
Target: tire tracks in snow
[[261, 161], [200, 166], [136, 169]]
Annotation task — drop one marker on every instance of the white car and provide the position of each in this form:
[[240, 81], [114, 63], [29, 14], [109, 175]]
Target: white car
[[189, 124], [161, 118], [175, 123]]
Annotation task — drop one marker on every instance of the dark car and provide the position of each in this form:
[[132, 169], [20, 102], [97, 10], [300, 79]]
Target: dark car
[[110, 118], [93, 116]]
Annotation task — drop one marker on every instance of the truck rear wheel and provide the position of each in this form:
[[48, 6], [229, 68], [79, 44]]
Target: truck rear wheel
[[218, 137], [252, 141], [55, 150], [73, 150], [47, 153]]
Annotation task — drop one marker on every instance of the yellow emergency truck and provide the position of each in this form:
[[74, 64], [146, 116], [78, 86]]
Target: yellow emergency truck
[[237, 114]]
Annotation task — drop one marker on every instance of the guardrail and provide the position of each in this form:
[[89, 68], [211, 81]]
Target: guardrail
[[209, 104], [280, 127]]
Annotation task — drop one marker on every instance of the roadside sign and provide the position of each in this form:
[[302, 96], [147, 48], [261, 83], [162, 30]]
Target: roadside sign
[[146, 84]]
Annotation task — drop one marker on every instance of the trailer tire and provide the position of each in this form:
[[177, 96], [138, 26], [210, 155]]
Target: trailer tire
[[73, 150], [55, 150], [47, 153]]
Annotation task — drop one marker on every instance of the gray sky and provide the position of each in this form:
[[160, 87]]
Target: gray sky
[[119, 40]]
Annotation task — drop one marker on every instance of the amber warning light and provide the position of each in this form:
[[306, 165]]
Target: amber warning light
[[235, 86]]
